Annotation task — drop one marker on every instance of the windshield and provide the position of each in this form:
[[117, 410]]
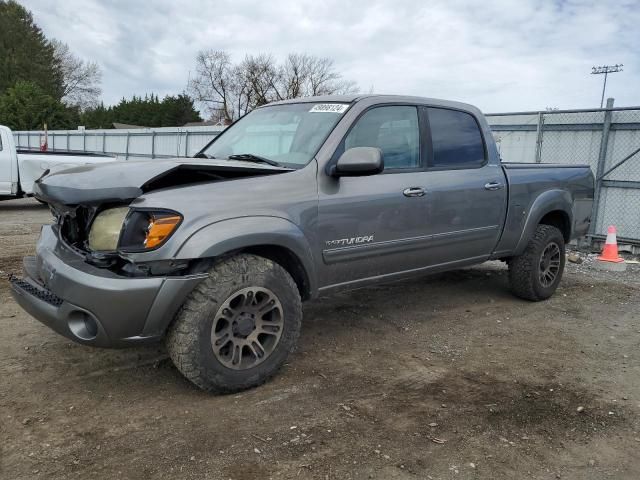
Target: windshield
[[288, 134]]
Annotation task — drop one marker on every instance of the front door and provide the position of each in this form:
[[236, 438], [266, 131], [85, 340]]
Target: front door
[[376, 225]]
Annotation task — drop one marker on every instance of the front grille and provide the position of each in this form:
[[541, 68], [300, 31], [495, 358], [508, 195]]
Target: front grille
[[41, 293]]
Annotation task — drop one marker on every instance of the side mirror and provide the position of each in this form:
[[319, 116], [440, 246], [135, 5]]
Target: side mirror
[[358, 161]]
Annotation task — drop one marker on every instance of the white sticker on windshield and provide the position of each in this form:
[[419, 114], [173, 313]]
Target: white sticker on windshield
[[329, 108]]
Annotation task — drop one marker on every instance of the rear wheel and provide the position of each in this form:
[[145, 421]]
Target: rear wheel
[[536, 273], [238, 326]]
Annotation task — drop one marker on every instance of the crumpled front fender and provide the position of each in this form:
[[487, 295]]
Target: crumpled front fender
[[234, 234]]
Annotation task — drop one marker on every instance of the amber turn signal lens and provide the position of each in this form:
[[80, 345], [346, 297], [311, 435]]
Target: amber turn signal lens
[[159, 229]]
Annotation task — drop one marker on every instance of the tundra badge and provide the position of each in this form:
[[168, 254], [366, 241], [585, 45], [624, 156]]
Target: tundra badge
[[344, 242]]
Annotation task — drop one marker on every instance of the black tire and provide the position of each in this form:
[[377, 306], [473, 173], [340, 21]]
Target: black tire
[[527, 273], [190, 339]]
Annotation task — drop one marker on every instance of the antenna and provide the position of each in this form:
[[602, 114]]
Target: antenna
[[606, 69]]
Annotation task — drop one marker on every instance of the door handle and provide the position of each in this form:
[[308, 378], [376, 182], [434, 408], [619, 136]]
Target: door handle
[[413, 192], [493, 186]]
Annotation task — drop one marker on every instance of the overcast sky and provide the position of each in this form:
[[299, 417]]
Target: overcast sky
[[502, 55]]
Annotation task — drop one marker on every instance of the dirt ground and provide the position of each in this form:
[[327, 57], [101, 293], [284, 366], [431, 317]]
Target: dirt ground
[[444, 377]]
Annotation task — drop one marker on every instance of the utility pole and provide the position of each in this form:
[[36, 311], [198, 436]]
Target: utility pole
[[606, 69]]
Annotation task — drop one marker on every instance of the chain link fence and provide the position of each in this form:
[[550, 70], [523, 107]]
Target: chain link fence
[[125, 144], [608, 140]]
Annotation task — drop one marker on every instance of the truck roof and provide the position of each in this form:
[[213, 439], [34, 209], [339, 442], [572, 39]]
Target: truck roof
[[383, 99]]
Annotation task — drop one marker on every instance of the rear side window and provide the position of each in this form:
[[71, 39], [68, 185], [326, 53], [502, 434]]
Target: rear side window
[[392, 129], [456, 139]]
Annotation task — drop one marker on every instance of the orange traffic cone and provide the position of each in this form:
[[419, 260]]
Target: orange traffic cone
[[610, 250]]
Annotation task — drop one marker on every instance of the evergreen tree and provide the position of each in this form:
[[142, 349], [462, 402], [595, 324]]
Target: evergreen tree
[[150, 111], [25, 53], [26, 106], [178, 110]]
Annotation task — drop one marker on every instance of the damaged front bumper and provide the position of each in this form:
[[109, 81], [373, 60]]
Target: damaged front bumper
[[93, 305]]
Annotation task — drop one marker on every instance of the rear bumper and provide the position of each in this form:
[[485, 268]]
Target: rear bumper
[[94, 306]]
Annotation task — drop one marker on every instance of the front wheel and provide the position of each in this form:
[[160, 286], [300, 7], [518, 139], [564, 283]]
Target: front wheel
[[536, 273], [238, 326]]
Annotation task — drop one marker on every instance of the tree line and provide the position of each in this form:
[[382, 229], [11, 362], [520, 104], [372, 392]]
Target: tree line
[[149, 111], [42, 81]]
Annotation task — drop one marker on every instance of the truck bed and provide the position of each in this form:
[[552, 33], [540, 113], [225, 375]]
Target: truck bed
[[69, 153], [33, 164], [529, 183]]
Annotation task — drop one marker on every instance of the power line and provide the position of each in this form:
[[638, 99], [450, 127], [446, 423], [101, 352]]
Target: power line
[[606, 69]]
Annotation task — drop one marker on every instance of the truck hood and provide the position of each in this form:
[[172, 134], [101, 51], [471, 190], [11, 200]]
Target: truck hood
[[118, 182]]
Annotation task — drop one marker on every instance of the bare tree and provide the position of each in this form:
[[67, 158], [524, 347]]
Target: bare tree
[[261, 76], [228, 91], [306, 75], [214, 84], [294, 74], [81, 79]]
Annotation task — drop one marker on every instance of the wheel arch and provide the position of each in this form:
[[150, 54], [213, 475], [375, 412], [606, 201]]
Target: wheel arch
[[275, 238], [553, 207], [559, 219]]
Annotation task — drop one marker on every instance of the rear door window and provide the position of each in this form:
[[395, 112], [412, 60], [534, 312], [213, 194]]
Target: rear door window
[[456, 140]]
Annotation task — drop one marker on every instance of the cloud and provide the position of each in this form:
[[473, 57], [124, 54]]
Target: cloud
[[498, 54]]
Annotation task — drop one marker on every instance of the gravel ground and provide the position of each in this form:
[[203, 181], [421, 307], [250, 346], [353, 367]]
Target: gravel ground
[[443, 377]]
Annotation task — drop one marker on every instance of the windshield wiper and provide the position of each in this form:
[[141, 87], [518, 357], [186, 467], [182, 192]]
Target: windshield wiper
[[250, 157]]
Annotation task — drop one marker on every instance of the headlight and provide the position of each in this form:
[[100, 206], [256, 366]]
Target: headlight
[[132, 230], [148, 229], [106, 228]]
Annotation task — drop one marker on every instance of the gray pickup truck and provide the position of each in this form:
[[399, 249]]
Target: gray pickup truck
[[297, 199]]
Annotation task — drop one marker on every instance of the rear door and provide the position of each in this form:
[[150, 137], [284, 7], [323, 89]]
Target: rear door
[[466, 194]]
